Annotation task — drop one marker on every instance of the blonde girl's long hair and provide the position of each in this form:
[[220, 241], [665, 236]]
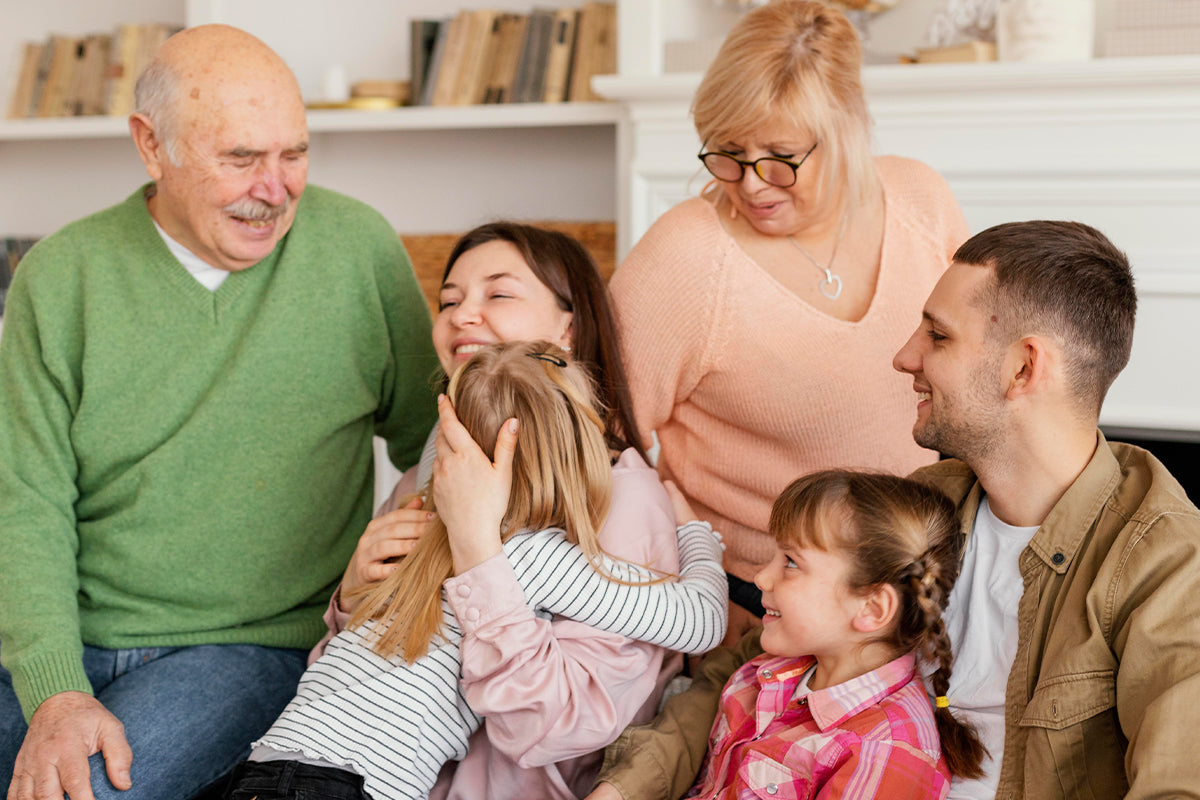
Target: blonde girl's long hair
[[562, 477], [894, 531]]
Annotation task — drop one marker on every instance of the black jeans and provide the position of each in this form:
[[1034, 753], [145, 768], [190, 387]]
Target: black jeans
[[291, 780]]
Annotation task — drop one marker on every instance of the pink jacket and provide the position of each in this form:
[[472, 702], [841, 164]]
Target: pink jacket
[[553, 692]]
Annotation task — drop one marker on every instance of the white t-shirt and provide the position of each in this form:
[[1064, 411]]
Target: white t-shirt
[[209, 276], [981, 620]]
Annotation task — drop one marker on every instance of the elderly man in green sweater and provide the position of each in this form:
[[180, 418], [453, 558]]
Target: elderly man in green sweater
[[189, 385]]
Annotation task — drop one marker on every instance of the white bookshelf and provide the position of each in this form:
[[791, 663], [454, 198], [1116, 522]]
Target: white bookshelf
[[426, 169]]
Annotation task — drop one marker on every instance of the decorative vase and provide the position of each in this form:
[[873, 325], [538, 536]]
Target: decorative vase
[[1045, 30]]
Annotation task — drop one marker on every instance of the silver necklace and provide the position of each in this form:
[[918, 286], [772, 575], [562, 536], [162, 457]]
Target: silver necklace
[[830, 285]]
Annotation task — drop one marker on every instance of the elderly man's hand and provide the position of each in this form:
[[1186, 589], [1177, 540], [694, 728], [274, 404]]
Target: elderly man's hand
[[65, 730]]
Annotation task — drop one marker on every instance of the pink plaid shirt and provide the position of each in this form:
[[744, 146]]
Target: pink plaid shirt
[[870, 737]]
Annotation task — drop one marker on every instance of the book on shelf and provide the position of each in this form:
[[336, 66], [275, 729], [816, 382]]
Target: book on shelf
[[490, 58], [558, 59], [67, 76], [63, 57], [448, 65], [595, 49], [957, 53], [121, 66], [23, 96], [508, 58], [531, 71], [477, 47], [423, 36], [87, 95], [429, 81], [548, 55]]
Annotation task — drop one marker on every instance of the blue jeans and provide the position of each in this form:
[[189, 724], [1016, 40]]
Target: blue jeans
[[190, 713]]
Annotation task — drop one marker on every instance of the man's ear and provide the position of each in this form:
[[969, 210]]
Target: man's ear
[[149, 146], [879, 607], [1032, 365]]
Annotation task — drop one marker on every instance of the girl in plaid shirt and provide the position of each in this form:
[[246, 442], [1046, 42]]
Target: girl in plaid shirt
[[835, 706]]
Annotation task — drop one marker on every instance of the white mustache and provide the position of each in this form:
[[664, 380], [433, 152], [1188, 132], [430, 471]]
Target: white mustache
[[257, 210]]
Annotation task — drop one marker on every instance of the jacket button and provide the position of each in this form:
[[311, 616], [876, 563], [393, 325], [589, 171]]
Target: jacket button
[[1058, 559], [772, 788]]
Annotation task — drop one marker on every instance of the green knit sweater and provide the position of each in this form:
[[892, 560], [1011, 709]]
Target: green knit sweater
[[180, 466]]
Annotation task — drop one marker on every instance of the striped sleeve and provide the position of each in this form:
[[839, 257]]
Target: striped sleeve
[[688, 614]]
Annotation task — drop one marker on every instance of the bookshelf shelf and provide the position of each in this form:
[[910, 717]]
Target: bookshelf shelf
[[63, 128], [428, 118], [424, 118]]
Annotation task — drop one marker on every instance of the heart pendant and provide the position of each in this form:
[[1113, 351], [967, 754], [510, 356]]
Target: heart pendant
[[831, 287]]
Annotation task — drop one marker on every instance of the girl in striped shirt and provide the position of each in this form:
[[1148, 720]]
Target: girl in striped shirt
[[835, 706], [382, 710]]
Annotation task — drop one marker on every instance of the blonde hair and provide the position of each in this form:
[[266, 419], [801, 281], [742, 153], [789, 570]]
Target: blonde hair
[[562, 477], [798, 62], [898, 532]]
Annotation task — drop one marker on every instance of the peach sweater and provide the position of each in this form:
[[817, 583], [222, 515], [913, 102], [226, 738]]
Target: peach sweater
[[750, 387]]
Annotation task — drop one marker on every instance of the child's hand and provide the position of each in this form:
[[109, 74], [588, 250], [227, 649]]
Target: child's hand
[[470, 490], [386, 539], [683, 509]]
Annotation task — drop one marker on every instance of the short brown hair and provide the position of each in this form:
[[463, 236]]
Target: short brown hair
[[799, 62], [1065, 280]]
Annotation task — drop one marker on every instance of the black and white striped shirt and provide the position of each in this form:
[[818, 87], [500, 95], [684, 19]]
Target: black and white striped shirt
[[396, 723]]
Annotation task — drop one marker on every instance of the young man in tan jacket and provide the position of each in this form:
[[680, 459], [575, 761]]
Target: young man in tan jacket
[[1077, 652]]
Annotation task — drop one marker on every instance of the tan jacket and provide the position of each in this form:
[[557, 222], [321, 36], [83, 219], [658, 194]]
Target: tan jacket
[[1104, 694]]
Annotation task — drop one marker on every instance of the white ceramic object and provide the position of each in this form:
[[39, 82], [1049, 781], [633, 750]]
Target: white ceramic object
[[1045, 30]]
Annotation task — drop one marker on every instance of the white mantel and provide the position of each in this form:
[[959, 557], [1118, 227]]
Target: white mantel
[[1111, 142]]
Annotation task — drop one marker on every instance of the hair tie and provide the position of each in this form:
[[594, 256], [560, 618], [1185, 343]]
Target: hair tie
[[942, 701], [549, 358]]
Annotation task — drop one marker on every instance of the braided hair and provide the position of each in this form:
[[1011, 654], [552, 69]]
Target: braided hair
[[898, 532]]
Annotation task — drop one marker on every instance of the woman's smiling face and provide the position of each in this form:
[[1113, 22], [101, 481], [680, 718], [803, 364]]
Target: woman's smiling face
[[491, 295]]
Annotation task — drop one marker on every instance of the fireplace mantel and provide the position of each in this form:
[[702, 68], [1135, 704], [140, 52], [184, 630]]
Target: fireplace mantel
[[1111, 142]]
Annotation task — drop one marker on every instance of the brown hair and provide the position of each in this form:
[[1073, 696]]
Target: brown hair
[[898, 532], [799, 62], [566, 268], [562, 477], [1066, 280]]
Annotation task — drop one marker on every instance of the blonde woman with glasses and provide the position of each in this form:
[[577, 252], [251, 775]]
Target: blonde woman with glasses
[[758, 320]]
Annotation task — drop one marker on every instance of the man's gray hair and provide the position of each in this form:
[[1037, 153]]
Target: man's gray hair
[[155, 95]]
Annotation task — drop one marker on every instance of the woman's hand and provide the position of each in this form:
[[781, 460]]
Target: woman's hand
[[469, 489], [386, 539]]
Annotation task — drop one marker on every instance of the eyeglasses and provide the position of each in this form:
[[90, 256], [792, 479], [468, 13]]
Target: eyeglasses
[[772, 169]]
